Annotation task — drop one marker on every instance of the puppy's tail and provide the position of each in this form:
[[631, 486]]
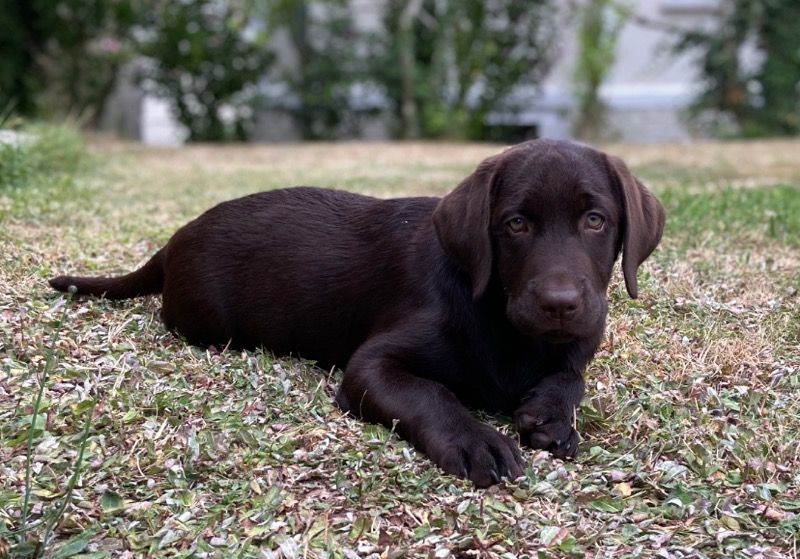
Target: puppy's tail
[[146, 280]]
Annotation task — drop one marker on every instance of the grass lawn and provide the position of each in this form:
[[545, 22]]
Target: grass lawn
[[144, 446]]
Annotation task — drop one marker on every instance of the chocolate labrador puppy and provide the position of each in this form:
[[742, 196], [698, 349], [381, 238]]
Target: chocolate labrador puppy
[[493, 297]]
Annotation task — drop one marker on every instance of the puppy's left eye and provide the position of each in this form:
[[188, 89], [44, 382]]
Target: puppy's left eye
[[517, 225], [595, 221]]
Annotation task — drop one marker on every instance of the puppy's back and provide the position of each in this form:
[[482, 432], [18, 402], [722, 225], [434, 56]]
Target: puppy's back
[[300, 270]]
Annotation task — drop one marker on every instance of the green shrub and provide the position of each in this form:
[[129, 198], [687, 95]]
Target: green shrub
[[205, 60], [40, 154], [739, 98], [446, 65], [61, 57]]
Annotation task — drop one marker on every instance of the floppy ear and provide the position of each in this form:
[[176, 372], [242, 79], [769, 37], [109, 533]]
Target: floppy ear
[[462, 224], [644, 222]]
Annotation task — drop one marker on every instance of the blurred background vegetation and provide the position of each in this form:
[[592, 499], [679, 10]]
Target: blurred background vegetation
[[437, 67], [752, 101]]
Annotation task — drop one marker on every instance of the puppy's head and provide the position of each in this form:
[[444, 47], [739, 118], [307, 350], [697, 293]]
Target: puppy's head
[[548, 219]]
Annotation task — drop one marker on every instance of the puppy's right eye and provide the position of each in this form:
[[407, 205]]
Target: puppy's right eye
[[517, 225]]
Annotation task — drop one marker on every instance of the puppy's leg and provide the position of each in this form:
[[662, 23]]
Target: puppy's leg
[[546, 415], [378, 387]]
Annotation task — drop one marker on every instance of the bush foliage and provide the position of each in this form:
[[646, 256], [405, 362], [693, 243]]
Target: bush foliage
[[446, 64], [328, 66], [61, 58], [39, 154], [742, 98], [451, 61], [441, 68], [204, 63]]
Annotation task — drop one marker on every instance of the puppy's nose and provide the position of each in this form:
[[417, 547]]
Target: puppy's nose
[[559, 303]]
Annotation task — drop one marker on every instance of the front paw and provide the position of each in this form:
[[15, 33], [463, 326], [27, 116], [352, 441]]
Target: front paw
[[479, 453], [544, 426]]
